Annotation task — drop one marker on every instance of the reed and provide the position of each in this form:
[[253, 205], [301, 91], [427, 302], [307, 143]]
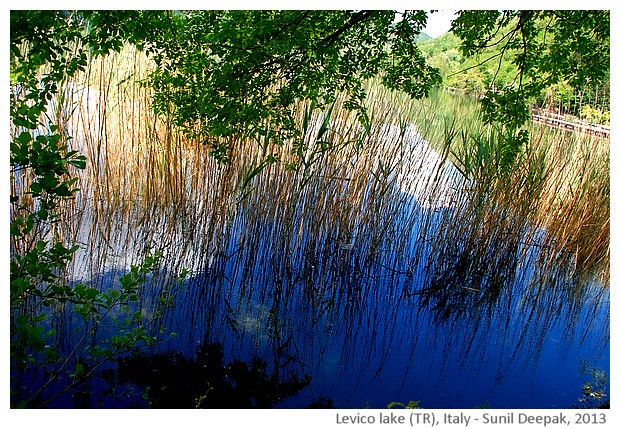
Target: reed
[[559, 182], [355, 227], [340, 196]]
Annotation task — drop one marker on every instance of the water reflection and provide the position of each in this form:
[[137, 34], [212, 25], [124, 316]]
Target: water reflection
[[171, 380], [371, 327], [417, 295]]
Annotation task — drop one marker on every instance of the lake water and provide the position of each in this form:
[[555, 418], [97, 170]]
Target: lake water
[[391, 308]]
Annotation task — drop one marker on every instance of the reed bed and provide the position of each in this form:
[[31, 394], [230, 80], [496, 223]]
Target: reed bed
[[382, 210], [351, 186], [559, 182]]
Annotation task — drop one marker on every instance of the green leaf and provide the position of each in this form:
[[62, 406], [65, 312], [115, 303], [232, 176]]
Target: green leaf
[[24, 138]]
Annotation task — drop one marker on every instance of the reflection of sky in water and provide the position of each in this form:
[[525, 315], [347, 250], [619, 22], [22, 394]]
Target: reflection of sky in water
[[384, 348], [426, 175], [460, 364], [380, 315]]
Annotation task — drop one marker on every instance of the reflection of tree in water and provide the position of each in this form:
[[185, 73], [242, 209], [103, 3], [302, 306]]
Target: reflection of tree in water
[[407, 292], [355, 315], [173, 381]]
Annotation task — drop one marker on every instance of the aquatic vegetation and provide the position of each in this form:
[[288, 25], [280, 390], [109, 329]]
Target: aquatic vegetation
[[411, 405], [593, 388], [355, 236]]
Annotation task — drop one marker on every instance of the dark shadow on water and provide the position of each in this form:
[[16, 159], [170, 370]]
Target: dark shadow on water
[[205, 380]]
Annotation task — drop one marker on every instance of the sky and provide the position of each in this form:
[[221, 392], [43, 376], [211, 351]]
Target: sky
[[439, 22]]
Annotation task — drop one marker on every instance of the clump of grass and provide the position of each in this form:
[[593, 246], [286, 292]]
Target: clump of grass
[[575, 200]]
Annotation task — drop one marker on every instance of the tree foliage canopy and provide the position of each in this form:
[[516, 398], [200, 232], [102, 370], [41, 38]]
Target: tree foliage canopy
[[480, 66], [546, 48], [226, 76], [238, 73]]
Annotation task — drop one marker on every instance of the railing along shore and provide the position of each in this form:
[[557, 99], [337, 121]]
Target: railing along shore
[[551, 119], [558, 121]]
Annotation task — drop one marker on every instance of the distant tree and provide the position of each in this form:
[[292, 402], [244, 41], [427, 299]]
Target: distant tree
[[545, 47], [475, 64]]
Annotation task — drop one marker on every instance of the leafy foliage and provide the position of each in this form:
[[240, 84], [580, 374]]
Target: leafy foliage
[[491, 68], [231, 75], [48, 47], [545, 48], [42, 370], [38, 151]]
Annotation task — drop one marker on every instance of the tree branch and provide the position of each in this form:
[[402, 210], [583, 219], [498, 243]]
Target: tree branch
[[353, 21]]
